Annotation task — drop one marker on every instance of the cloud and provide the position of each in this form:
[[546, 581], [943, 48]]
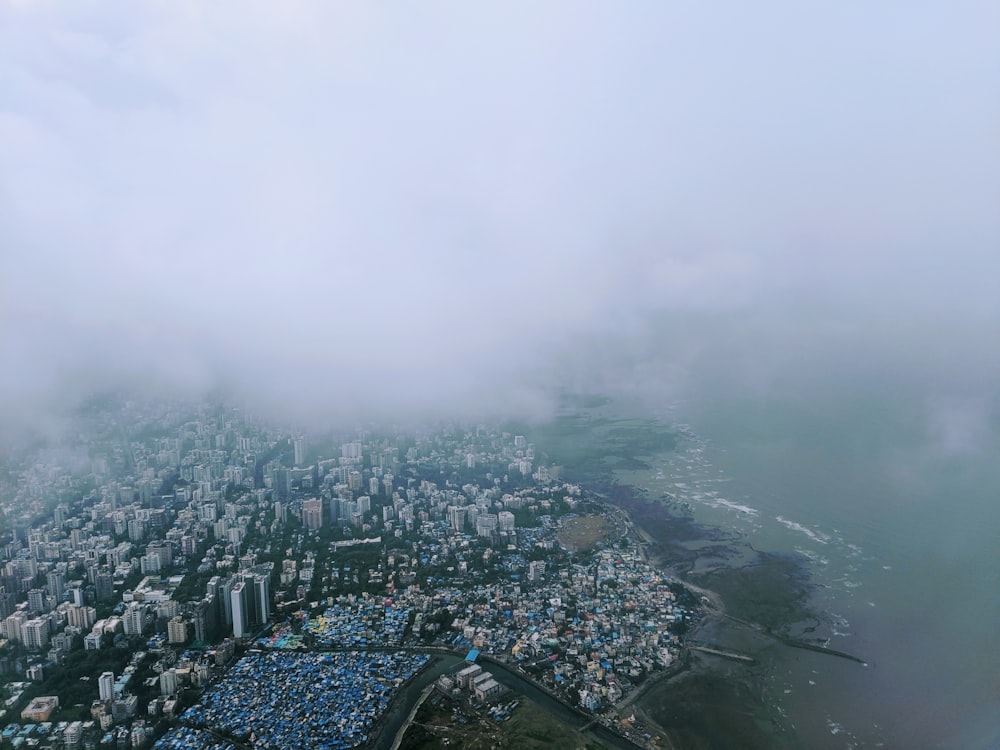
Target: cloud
[[337, 207]]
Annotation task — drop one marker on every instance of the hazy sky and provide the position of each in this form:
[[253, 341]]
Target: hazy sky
[[444, 206]]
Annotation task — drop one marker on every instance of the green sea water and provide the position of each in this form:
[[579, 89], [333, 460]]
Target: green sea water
[[894, 510]]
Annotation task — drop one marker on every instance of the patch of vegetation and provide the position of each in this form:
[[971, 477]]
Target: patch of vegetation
[[440, 722], [531, 727], [75, 681]]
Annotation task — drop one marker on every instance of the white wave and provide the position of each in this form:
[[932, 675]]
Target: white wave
[[814, 535], [816, 558], [735, 506], [840, 626]]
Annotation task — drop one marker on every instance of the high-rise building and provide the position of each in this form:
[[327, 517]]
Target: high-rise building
[[35, 633], [104, 583], [300, 450], [471, 515], [505, 520], [36, 600], [221, 589], [106, 685], [485, 524], [312, 513], [81, 617], [164, 550], [177, 629], [456, 517], [134, 619], [364, 505], [347, 508], [203, 619], [262, 598], [279, 482], [11, 626], [354, 480], [136, 530], [536, 569], [241, 610], [221, 529], [149, 564], [26, 566], [56, 584], [7, 603], [168, 682]]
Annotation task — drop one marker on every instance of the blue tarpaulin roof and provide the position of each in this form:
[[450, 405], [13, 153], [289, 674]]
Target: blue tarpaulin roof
[[472, 655]]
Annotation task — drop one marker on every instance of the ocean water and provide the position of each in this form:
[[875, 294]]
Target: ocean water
[[899, 529]]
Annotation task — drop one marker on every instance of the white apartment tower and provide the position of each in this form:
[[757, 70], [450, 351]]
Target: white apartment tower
[[106, 685], [241, 613]]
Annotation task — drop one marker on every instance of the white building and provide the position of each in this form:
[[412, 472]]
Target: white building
[[134, 619], [168, 682], [505, 520], [241, 614], [106, 685], [35, 633]]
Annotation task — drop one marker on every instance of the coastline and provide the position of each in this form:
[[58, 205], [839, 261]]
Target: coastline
[[712, 700], [714, 694], [603, 728]]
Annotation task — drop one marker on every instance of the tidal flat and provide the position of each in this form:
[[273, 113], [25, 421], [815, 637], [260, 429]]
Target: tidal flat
[[719, 702]]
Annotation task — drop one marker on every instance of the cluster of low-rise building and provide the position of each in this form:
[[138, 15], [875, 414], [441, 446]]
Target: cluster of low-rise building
[[359, 624], [285, 699], [588, 630], [189, 738], [74, 734]]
